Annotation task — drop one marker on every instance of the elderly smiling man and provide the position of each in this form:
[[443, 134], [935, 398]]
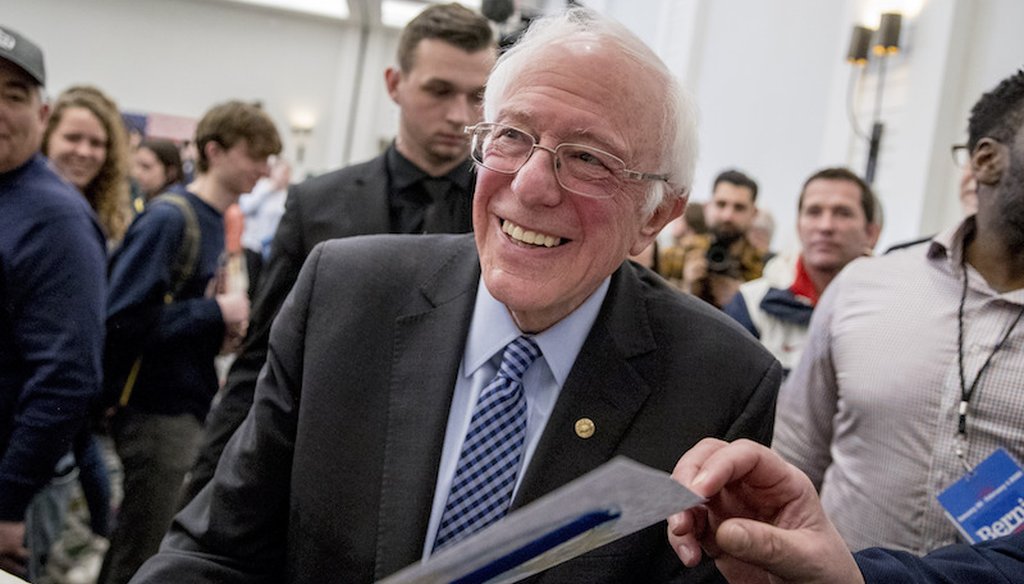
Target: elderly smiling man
[[397, 360]]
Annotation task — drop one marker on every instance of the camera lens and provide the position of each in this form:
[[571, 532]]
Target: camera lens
[[719, 260]]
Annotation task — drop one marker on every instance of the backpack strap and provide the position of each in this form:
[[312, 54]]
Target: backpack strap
[[188, 254], [182, 271]]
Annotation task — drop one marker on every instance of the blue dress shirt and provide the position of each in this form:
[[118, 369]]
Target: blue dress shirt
[[491, 328]]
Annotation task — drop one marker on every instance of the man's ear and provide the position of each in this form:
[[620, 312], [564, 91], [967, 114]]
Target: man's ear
[[667, 211], [874, 231], [989, 161], [213, 150], [392, 77], [44, 113]]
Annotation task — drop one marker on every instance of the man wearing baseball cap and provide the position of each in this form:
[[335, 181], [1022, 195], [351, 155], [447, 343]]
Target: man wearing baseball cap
[[52, 294]]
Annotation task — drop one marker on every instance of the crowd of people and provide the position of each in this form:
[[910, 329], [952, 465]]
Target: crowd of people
[[478, 316]]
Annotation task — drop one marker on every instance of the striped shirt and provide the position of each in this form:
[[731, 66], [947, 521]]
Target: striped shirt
[[870, 413]]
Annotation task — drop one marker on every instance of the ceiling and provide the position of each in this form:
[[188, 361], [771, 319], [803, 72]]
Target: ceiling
[[387, 13]]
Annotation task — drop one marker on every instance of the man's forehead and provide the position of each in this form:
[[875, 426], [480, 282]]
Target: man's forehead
[[560, 127], [836, 191], [244, 147], [563, 97], [433, 53], [734, 193]]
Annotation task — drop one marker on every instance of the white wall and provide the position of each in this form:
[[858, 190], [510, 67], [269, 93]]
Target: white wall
[[762, 80], [769, 77], [986, 47], [182, 56], [772, 86]]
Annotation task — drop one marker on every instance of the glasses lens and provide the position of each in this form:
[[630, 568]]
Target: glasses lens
[[501, 148], [961, 155], [581, 169], [588, 171]]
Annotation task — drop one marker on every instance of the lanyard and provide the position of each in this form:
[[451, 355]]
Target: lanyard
[[965, 392]]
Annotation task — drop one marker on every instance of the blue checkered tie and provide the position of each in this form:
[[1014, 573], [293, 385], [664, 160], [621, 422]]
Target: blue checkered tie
[[482, 487]]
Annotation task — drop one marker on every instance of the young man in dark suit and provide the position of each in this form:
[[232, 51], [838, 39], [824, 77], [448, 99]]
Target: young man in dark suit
[[380, 391], [423, 183]]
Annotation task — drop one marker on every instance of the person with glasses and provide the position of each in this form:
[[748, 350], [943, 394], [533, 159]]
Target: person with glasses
[[967, 192], [911, 375], [968, 185], [462, 376]]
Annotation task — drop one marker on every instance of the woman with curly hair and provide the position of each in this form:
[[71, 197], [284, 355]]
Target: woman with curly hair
[[87, 143]]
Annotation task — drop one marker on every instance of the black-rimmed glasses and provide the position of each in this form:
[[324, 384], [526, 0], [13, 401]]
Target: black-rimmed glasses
[[961, 154], [579, 168]]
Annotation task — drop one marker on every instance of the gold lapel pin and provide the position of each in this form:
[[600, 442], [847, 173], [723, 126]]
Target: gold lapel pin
[[585, 428]]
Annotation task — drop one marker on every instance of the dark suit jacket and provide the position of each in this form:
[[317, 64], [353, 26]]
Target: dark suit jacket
[[332, 475], [1000, 561], [343, 203]]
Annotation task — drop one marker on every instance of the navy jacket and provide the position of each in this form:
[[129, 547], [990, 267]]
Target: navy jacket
[[1000, 561], [52, 290], [178, 341]]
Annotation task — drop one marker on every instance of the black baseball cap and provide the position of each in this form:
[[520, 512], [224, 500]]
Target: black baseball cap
[[23, 53]]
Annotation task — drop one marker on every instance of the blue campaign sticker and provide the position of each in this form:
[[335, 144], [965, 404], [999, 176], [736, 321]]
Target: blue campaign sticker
[[987, 502]]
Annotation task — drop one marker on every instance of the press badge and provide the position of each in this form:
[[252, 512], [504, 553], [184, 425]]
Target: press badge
[[989, 501]]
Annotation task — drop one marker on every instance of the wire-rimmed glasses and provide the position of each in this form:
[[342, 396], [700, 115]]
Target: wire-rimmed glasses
[[579, 168]]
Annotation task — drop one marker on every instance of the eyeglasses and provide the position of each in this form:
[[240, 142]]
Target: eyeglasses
[[580, 169], [961, 154]]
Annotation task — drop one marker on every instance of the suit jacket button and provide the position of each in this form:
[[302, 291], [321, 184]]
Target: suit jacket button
[[584, 428]]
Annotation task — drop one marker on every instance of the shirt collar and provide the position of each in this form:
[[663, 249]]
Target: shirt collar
[[950, 246], [492, 328], [802, 285], [950, 243], [404, 173]]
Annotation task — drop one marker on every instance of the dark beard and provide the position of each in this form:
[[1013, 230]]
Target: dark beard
[[1010, 205], [725, 235]]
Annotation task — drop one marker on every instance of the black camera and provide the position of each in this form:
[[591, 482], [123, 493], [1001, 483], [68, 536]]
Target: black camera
[[720, 261]]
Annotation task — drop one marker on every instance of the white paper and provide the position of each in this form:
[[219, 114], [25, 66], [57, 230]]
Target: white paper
[[8, 578], [641, 496]]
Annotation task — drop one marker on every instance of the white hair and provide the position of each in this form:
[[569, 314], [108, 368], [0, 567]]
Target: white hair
[[677, 134]]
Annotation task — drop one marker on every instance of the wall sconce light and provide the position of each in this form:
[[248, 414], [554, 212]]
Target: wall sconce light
[[860, 42], [886, 44], [888, 40], [301, 134]]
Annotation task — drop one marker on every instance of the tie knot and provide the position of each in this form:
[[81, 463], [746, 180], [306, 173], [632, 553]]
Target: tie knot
[[517, 358]]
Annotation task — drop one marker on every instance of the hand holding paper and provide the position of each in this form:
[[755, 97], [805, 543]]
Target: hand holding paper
[[763, 518]]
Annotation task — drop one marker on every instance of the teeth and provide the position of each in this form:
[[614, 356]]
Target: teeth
[[531, 237]]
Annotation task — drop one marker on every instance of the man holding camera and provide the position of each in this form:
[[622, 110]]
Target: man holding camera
[[713, 265]]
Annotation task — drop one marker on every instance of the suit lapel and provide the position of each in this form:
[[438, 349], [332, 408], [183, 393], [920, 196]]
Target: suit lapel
[[357, 205], [424, 368], [602, 387], [367, 201]]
